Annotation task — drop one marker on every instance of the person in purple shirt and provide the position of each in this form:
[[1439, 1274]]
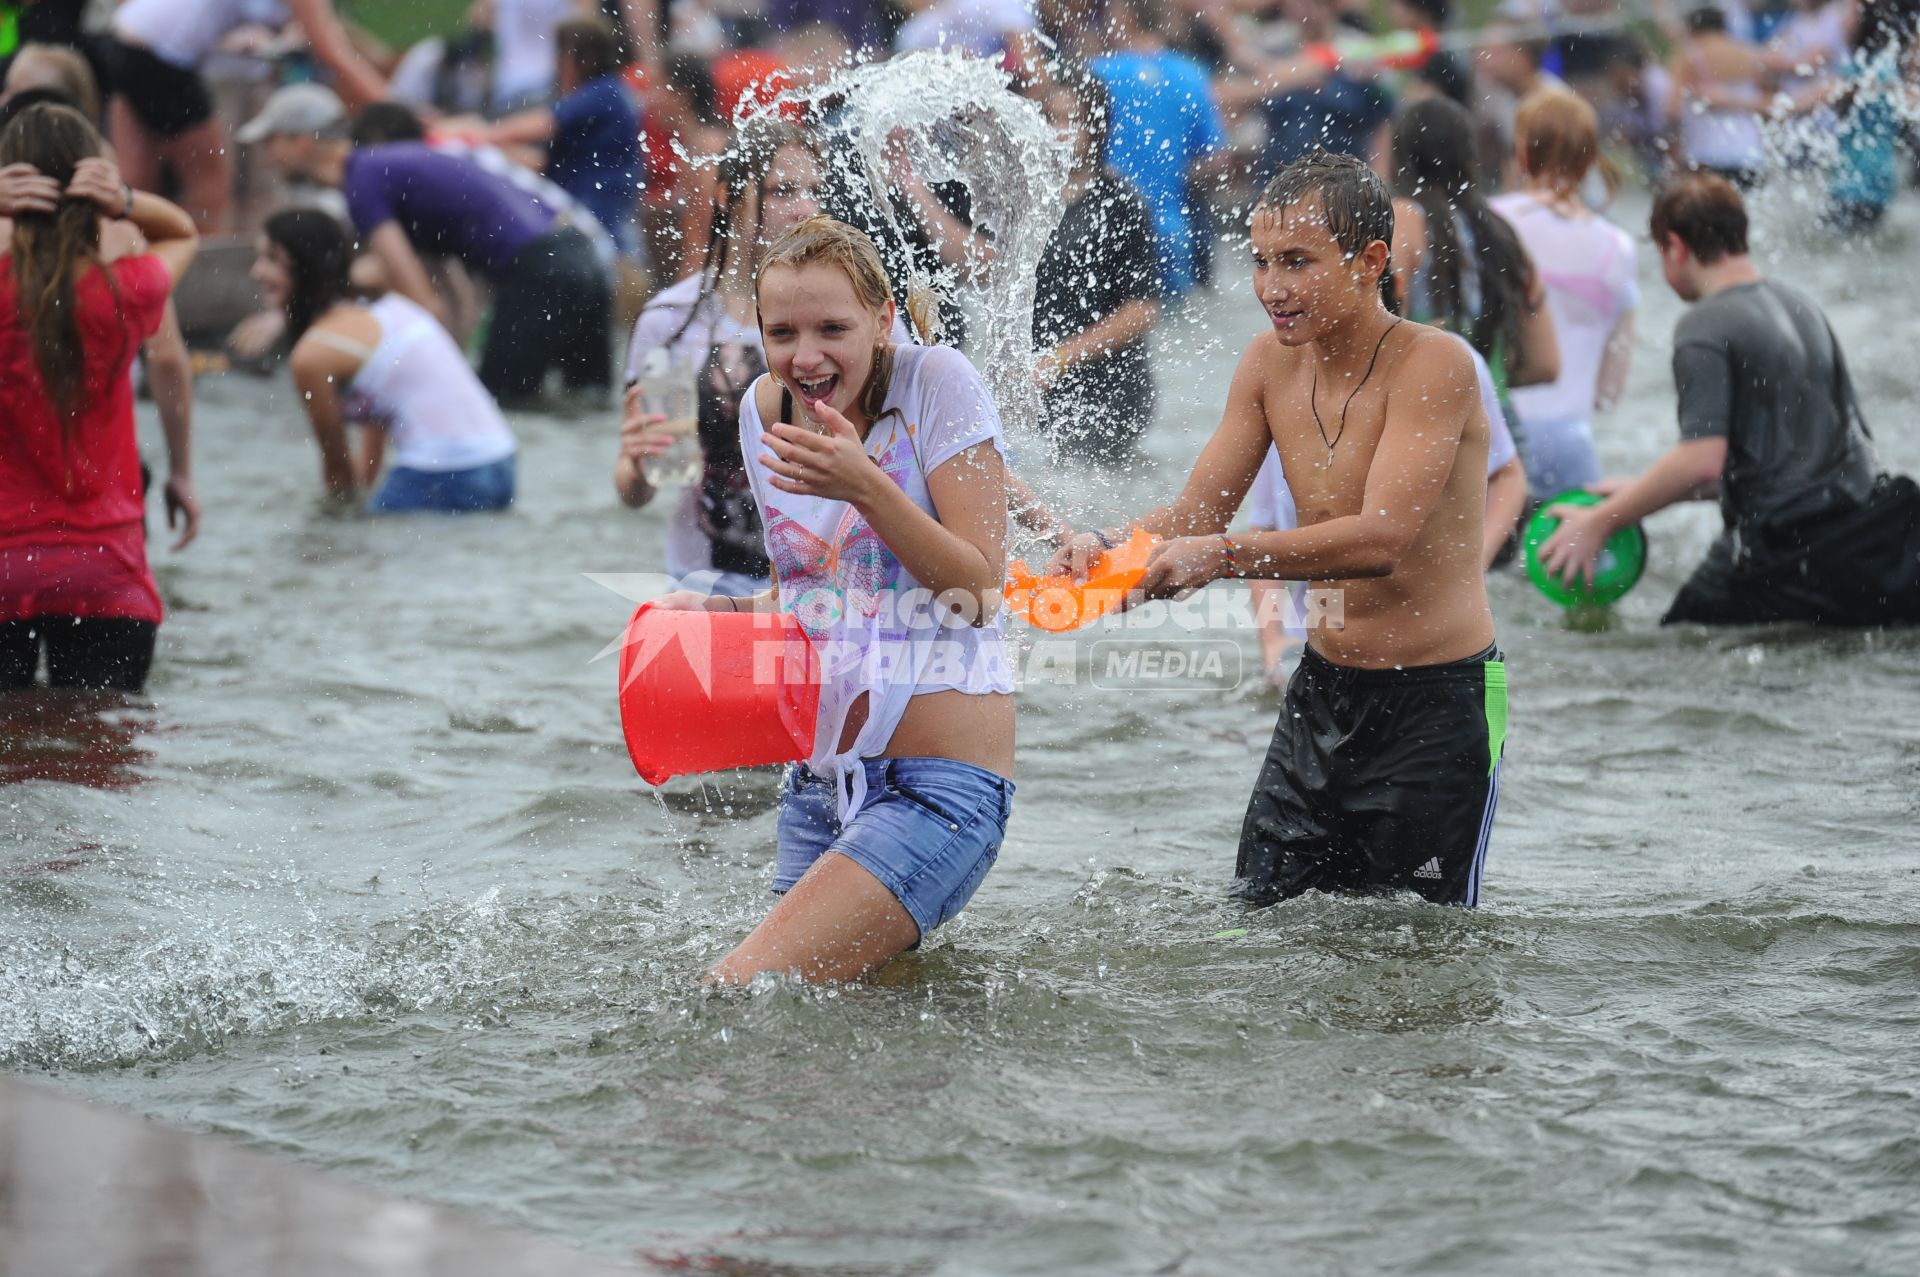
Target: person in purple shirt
[[552, 298]]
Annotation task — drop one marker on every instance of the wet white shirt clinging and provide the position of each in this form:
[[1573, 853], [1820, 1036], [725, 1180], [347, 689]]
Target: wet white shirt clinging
[[878, 631]]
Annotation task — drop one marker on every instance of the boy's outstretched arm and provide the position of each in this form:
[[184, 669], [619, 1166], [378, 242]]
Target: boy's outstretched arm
[[1428, 407], [1216, 487]]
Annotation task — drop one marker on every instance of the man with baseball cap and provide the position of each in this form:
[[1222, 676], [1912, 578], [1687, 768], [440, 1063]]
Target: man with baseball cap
[[552, 297]]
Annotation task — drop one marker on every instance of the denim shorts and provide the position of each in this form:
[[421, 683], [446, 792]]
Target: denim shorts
[[929, 830], [408, 491]]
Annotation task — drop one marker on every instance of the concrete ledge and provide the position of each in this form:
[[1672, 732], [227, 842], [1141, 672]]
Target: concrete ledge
[[88, 1191]]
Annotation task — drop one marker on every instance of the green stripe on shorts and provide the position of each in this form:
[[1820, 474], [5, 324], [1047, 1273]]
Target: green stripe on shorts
[[1496, 676]]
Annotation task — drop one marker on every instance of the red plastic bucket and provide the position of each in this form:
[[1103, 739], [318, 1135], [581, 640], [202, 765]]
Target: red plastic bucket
[[706, 691]]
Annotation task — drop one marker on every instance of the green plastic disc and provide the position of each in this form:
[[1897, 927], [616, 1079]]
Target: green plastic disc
[[1618, 569]]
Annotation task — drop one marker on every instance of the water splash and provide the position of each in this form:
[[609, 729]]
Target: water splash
[[81, 1001], [1810, 149], [955, 119]]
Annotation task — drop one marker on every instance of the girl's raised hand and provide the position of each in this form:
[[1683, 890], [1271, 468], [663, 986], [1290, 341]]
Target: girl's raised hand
[[99, 180], [641, 435], [834, 465], [24, 189]]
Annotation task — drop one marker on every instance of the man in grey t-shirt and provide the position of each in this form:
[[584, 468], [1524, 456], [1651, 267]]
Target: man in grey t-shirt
[[1769, 421]]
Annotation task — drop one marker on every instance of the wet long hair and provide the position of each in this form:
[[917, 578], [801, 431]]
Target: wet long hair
[[320, 259], [742, 170], [51, 251], [1434, 160], [835, 243]]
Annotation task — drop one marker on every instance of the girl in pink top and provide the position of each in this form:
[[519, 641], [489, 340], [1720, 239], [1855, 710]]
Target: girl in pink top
[[1587, 265]]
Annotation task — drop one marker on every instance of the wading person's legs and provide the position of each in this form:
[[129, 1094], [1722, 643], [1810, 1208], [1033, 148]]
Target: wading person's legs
[[200, 159], [837, 923], [860, 894]]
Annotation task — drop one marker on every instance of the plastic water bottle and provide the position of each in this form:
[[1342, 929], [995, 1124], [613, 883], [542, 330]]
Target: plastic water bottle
[[667, 387]]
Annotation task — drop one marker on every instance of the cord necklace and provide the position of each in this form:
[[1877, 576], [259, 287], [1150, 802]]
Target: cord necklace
[[1313, 396]]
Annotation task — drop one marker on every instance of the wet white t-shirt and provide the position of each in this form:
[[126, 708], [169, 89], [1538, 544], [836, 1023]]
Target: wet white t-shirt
[[1586, 264], [416, 384], [879, 633]]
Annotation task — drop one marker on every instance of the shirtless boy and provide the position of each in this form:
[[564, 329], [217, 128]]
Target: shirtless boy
[[1384, 767]]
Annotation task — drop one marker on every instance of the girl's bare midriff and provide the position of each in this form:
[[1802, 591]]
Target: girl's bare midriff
[[962, 726]]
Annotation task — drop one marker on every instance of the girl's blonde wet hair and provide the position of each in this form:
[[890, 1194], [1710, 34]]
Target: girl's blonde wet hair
[[1556, 136], [832, 242]]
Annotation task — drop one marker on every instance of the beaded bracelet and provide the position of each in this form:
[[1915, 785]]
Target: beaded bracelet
[[1233, 559]]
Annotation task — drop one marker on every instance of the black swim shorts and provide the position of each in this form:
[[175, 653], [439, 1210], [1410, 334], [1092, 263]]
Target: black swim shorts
[[1378, 780], [168, 99]]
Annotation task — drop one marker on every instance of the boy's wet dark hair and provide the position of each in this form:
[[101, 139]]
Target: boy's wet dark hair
[[382, 122], [591, 44], [1354, 201], [1704, 212], [1705, 20]]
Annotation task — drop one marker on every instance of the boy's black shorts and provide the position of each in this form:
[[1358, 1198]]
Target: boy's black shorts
[[1378, 780]]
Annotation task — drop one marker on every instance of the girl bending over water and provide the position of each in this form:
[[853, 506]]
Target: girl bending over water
[[389, 366]]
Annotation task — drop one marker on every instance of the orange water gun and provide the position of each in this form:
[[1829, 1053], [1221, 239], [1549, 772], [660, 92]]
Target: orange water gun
[[1057, 604]]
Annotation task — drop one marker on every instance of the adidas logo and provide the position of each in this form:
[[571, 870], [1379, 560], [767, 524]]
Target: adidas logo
[[1429, 870]]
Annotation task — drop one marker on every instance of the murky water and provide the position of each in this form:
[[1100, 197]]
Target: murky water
[[369, 882]]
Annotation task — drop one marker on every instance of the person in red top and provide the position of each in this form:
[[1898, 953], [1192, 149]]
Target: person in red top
[[73, 562]]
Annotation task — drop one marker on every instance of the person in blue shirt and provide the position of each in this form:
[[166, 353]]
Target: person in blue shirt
[[1868, 99], [594, 154], [592, 133], [1165, 136]]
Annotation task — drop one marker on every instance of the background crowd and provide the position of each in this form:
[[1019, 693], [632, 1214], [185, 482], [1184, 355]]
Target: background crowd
[[543, 183]]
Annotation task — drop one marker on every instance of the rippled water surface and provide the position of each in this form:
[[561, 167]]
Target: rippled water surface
[[368, 881]]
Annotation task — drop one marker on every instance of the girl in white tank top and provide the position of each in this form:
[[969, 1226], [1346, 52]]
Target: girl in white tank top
[[388, 367]]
